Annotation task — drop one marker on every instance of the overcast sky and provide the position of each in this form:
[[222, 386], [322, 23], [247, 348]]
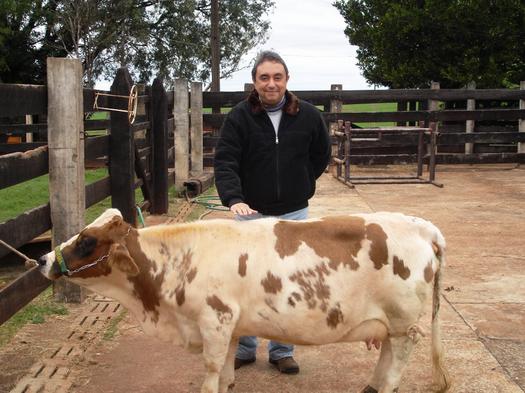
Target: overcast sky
[[309, 35]]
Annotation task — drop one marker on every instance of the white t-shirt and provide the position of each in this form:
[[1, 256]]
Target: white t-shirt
[[275, 117]]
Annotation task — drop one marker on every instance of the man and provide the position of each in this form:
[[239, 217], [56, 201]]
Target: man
[[271, 150]]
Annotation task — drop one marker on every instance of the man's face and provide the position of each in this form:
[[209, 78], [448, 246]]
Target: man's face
[[270, 82]]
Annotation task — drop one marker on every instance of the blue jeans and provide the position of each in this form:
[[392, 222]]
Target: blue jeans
[[248, 344]]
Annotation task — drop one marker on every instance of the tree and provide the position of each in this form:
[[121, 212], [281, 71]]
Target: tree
[[170, 38], [24, 40], [409, 43]]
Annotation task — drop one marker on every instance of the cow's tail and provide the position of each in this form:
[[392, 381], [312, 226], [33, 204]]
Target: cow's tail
[[440, 375]]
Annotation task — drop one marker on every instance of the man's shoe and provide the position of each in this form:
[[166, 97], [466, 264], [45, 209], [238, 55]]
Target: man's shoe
[[243, 362], [286, 365]]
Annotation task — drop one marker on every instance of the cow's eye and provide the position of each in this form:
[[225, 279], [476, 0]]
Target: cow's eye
[[85, 245]]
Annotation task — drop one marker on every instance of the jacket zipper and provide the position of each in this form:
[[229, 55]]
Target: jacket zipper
[[277, 165]]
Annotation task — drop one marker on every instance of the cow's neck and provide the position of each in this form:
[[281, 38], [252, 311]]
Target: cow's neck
[[164, 260]]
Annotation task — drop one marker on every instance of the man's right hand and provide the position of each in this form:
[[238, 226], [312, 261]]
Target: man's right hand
[[242, 209]]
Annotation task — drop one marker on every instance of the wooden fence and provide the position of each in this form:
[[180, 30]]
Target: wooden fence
[[62, 140], [473, 135]]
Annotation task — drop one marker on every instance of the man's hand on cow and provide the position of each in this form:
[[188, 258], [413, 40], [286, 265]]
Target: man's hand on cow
[[242, 209]]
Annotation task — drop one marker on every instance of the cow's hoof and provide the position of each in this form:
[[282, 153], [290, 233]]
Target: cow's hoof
[[369, 389]]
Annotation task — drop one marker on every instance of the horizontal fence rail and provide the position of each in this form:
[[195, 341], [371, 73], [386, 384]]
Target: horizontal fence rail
[[316, 97]]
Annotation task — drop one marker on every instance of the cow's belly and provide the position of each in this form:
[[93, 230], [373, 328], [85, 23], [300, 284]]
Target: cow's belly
[[312, 327]]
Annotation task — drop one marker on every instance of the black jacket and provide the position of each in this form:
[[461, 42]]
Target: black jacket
[[272, 176]]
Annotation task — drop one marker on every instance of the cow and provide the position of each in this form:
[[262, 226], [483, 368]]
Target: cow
[[362, 277]]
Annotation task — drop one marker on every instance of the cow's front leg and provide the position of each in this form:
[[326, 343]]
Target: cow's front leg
[[401, 349], [227, 377], [216, 326]]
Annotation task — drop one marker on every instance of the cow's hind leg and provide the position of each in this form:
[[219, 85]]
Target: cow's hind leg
[[227, 377], [401, 347], [384, 362], [216, 329]]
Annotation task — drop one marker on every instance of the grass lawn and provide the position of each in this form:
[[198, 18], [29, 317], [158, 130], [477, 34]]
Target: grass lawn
[[372, 107], [25, 196]]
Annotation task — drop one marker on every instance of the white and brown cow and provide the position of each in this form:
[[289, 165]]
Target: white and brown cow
[[364, 277]]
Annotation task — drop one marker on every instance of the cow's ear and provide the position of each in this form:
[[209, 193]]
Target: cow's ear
[[119, 256], [117, 228]]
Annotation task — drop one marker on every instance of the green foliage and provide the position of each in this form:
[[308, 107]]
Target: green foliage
[[26, 40], [169, 38], [408, 44], [35, 312]]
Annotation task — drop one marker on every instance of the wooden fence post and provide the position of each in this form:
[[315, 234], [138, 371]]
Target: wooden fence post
[[336, 106], [196, 128], [433, 106], [159, 172], [66, 159], [401, 107], [521, 145], [29, 135], [182, 146], [412, 107], [122, 154], [469, 126]]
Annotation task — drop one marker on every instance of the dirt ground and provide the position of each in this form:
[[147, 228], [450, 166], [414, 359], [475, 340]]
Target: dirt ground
[[481, 212]]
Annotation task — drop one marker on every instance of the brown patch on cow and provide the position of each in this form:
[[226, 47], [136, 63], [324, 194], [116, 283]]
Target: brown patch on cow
[[269, 303], [243, 258], [191, 274], [312, 284], [428, 272], [295, 297], [164, 250], [146, 286], [400, 269], [378, 248], [180, 295], [184, 272], [335, 317], [185, 263], [271, 283], [223, 311], [336, 238], [436, 249]]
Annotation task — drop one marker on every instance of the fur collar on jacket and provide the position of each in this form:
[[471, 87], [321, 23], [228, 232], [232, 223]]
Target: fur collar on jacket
[[291, 107]]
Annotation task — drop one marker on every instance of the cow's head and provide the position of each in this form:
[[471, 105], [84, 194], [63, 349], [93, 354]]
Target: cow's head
[[94, 252]]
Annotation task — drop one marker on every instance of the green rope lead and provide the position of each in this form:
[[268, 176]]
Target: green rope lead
[[211, 202], [141, 217]]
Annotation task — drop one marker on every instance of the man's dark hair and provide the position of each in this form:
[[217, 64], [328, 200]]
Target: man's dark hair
[[267, 55]]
